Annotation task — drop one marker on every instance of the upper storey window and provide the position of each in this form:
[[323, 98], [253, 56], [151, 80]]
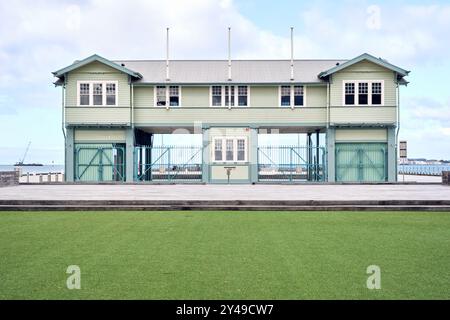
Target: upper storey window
[[291, 96], [363, 93], [84, 94], [229, 96], [349, 93], [97, 93], [167, 96]]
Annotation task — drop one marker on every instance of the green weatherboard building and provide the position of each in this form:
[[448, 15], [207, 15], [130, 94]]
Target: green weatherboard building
[[347, 109]]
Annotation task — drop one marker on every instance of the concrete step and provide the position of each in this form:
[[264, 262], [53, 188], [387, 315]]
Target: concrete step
[[222, 207], [233, 203]]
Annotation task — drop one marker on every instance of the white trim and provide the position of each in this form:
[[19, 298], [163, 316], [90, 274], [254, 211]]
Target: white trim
[[167, 89], [224, 149], [91, 93], [369, 99]]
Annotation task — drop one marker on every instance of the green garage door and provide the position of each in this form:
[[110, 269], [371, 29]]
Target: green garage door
[[361, 162], [99, 162]]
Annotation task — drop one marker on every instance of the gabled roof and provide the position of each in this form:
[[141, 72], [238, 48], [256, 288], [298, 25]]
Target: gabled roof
[[77, 64], [368, 57], [242, 71]]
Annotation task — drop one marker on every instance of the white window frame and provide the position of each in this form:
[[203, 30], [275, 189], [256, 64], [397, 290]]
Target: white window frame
[[292, 96], [224, 149], [167, 96], [369, 100], [91, 93], [236, 96]]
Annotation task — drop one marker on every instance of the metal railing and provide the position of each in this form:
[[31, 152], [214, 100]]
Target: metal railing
[[422, 169], [291, 163], [168, 163]]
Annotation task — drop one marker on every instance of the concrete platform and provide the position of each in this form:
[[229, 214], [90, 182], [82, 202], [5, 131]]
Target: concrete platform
[[226, 197]]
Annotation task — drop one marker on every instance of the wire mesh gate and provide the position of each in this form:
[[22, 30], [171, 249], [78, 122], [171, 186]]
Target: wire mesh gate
[[99, 162], [168, 163], [291, 163]]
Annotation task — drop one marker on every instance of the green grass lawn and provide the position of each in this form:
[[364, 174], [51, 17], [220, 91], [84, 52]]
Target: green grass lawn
[[224, 255]]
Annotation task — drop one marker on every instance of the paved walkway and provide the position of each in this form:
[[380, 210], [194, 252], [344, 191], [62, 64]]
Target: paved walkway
[[226, 192]]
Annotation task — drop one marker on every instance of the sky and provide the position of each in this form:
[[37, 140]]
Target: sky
[[38, 37]]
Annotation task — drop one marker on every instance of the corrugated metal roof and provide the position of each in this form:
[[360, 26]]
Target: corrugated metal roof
[[216, 71]]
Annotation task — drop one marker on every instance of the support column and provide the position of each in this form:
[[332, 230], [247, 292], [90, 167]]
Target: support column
[[317, 162], [308, 156], [391, 156], [205, 156], [253, 155], [129, 158], [70, 161], [331, 164]]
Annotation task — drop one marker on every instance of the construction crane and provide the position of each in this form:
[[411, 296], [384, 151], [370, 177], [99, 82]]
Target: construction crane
[[21, 163]]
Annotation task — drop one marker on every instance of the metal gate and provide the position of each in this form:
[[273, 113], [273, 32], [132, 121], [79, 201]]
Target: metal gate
[[99, 162], [291, 163], [361, 162], [168, 163]]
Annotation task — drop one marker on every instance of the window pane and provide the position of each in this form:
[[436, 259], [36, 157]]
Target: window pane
[[84, 100], [174, 101], [376, 87], [110, 88], [242, 90], [242, 100], [285, 95], [160, 95], [363, 88], [242, 95], [174, 96], [285, 100], [363, 99], [98, 94], [376, 93], [298, 100], [173, 91], [84, 88], [241, 150], [350, 99], [298, 90], [217, 101], [376, 98], [350, 93], [216, 95], [218, 150], [110, 94], [111, 100], [349, 88], [285, 90], [229, 150]]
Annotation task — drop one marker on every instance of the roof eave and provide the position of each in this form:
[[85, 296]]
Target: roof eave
[[360, 58], [60, 73]]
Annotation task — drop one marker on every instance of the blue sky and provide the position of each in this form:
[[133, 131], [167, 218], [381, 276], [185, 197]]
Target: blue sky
[[37, 37]]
